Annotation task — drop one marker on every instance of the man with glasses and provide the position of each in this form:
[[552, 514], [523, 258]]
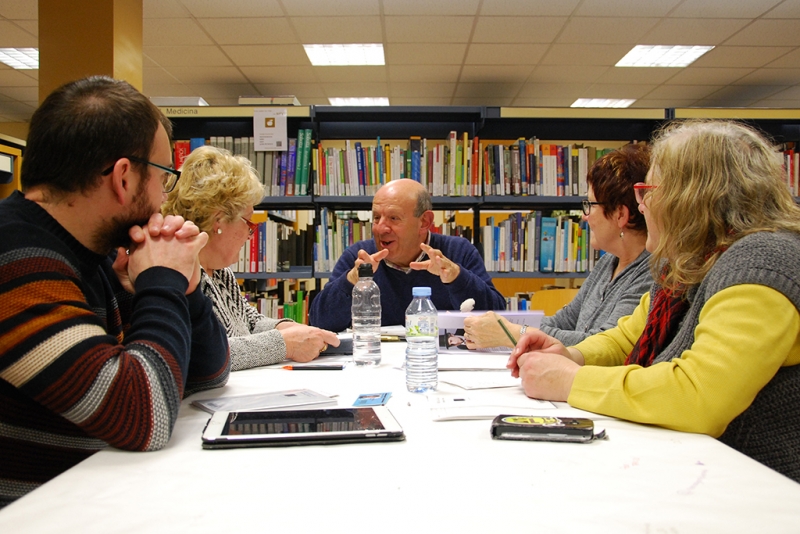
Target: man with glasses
[[102, 329]]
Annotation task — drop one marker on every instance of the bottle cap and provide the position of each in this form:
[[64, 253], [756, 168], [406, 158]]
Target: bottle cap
[[365, 269], [421, 292]]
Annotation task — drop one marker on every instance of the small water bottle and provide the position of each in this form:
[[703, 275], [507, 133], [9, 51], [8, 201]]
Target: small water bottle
[[366, 314], [422, 348]]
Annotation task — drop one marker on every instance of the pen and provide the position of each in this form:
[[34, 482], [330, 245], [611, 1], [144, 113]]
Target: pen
[[313, 367], [384, 337], [513, 341]]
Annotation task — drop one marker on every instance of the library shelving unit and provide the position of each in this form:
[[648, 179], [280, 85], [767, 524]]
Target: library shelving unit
[[11, 150], [604, 128]]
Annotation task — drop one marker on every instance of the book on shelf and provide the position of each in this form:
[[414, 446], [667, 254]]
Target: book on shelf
[[260, 100]]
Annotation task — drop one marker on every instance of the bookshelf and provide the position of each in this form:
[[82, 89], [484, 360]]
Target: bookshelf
[[602, 128], [11, 150]]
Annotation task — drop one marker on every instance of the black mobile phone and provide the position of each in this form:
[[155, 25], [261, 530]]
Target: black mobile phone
[[543, 428]]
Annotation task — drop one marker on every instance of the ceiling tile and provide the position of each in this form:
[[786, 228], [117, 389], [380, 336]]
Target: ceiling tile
[[677, 92], [262, 30], [606, 30], [170, 32], [19, 10], [424, 73], [413, 101], [643, 75], [164, 9], [612, 90], [419, 90], [431, 29], [287, 74], [769, 77], [355, 89], [366, 74], [17, 78], [585, 54], [303, 91], [544, 102], [570, 91], [707, 76], [316, 8], [542, 8], [234, 8], [790, 60], [157, 76], [184, 56], [221, 75], [481, 101], [768, 33], [708, 32], [325, 30], [29, 26], [742, 56], [712, 8], [517, 29], [606, 8], [495, 74], [221, 90], [22, 94], [790, 9], [168, 89], [745, 92], [424, 54], [790, 93], [663, 103], [266, 55], [12, 36], [562, 74], [505, 54], [429, 7], [492, 90]]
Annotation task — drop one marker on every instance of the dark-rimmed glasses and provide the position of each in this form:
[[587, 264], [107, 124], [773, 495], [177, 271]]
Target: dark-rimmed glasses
[[586, 205], [250, 225], [168, 181], [641, 190]]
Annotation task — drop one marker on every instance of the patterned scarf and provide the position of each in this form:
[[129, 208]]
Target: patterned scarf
[[662, 323]]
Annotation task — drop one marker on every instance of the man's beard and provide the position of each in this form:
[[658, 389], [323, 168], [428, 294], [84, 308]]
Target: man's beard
[[116, 232]]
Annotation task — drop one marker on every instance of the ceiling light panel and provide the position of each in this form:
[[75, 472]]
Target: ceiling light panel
[[329, 55], [602, 103], [382, 101], [662, 56], [20, 58]]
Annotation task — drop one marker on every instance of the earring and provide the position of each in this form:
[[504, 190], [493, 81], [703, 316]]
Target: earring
[[621, 235], [219, 230]]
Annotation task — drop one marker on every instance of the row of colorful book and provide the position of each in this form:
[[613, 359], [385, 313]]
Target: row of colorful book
[[297, 310], [273, 247], [531, 242]]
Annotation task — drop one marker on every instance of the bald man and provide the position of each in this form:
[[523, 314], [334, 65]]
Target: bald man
[[406, 254]]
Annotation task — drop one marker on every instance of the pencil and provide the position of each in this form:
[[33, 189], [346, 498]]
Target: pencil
[[313, 367], [513, 341]]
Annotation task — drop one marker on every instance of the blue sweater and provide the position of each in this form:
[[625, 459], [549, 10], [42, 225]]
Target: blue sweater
[[331, 307]]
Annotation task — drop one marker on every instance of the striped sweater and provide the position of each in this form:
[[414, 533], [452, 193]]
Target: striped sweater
[[83, 364]]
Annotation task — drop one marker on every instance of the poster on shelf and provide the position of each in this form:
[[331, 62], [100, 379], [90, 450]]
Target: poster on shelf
[[269, 129]]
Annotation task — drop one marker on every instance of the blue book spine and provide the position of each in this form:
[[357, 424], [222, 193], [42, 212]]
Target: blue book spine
[[362, 181], [523, 167], [262, 246], [547, 248], [291, 167], [196, 142]]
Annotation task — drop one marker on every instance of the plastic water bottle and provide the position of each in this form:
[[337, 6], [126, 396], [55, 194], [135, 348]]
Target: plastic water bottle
[[366, 314], [422, 349]]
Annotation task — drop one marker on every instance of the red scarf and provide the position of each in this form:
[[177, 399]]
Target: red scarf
[[662, 323]]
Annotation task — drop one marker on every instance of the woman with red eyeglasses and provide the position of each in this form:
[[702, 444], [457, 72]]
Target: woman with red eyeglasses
[[714, 348], [217, 191]]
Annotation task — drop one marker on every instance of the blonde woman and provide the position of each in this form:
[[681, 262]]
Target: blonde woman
[[218, 191], [714, 348]]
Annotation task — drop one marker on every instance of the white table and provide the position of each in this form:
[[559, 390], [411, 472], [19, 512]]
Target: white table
[[446, 477]]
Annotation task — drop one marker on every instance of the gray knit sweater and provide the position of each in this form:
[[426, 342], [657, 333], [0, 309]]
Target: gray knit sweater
[[253, 338], [769, 430], [601, 300]]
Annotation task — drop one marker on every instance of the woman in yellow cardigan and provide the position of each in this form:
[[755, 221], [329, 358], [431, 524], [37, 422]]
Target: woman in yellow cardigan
[[714, 348]]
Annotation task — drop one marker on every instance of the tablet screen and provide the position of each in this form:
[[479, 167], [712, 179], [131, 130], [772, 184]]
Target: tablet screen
[[301, 422]]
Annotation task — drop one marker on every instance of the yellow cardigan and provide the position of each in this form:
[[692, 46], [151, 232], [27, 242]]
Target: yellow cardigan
[[744, 335]]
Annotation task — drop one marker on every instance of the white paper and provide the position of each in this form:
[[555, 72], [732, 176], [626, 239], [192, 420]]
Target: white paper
[[269, 129], [463, 360], [461, 407], [473, 380]]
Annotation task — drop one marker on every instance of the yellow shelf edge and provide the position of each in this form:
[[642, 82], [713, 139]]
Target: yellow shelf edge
[[736, 113], [228, 111]]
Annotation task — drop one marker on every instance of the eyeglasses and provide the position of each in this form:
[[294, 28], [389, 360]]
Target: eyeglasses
[[641, 190], [251, 225], [168, 181], [587, 206]]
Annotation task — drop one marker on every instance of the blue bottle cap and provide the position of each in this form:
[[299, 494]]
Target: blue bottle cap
[[421, 292]]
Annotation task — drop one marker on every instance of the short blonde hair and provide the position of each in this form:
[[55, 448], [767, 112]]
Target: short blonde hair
[[213, 180], [717, 182]]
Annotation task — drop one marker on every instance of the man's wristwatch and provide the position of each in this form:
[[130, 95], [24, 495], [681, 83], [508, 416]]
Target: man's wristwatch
[[523, 330]]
